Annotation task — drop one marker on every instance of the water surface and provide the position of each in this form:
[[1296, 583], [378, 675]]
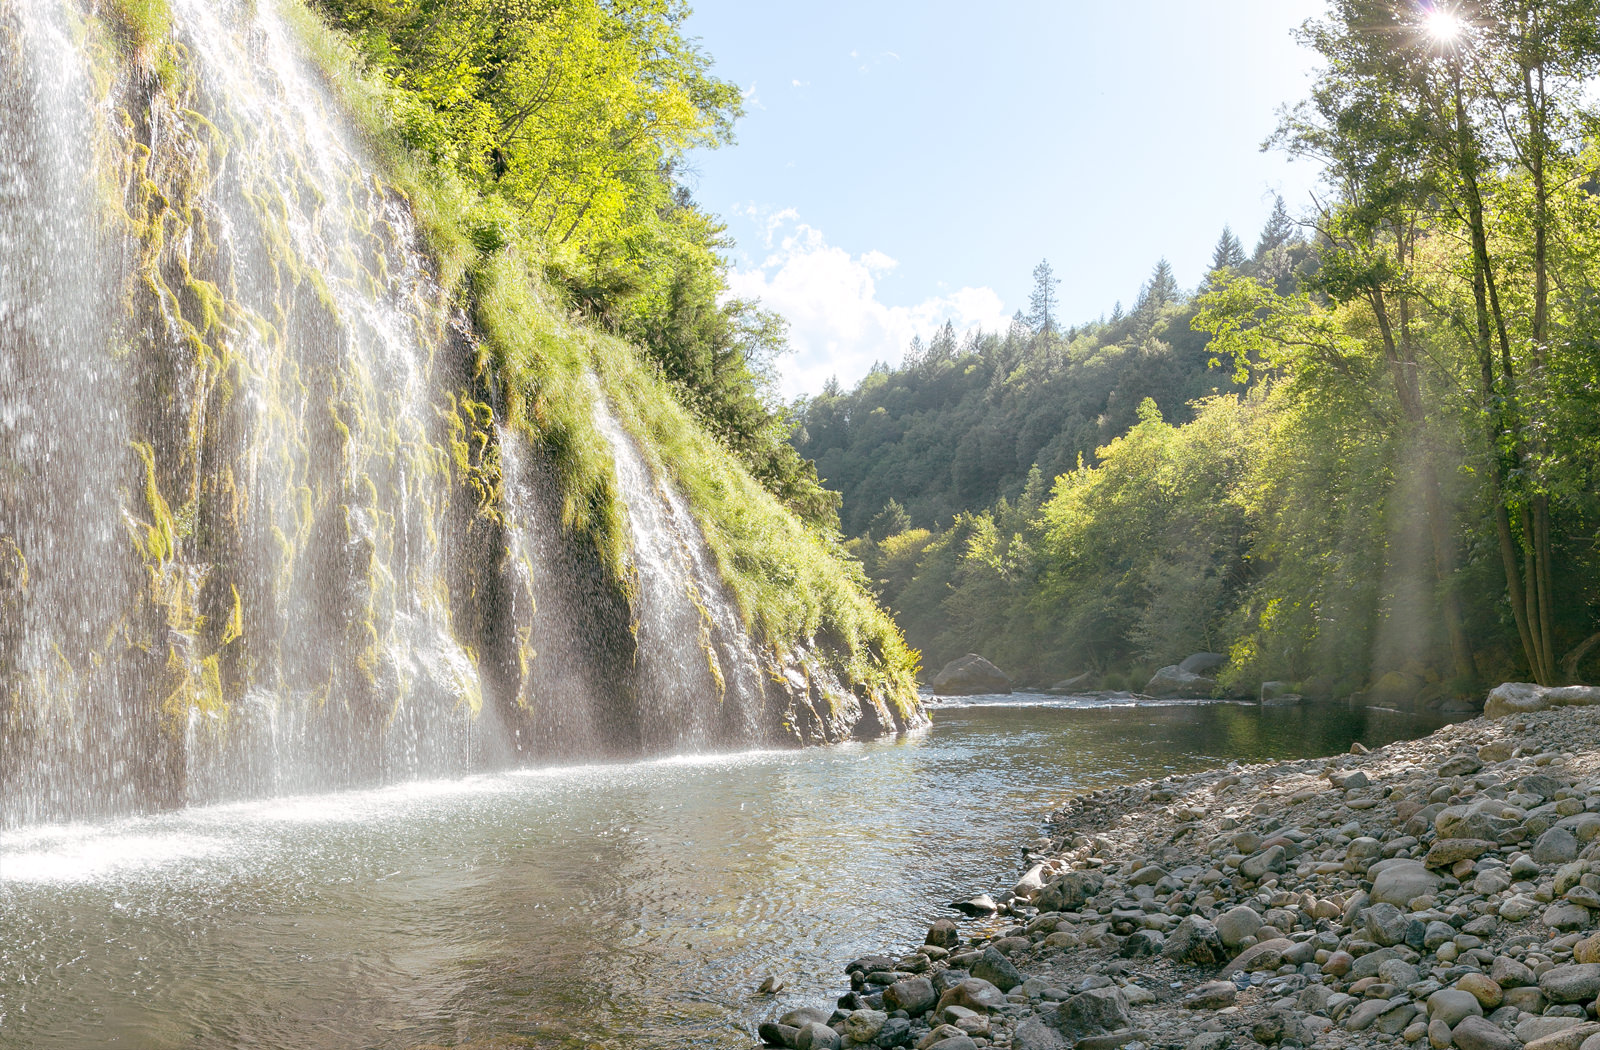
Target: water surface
[[632, 905]]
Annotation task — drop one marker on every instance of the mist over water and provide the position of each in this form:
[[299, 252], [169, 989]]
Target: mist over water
[[262, 530]]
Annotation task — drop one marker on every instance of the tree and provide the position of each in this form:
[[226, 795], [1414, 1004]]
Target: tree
[[890, 521], [1228, 254], [1042, 302], [1279, 230]]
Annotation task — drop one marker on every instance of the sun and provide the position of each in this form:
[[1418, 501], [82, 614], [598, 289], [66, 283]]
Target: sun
[[1442, 25]]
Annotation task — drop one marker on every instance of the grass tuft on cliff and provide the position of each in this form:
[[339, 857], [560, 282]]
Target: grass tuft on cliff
[[793, 583]]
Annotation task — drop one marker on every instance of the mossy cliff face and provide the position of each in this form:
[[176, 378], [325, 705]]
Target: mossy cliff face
[[277, 511]]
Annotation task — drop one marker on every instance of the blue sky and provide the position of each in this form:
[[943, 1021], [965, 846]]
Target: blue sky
[[903, 163]]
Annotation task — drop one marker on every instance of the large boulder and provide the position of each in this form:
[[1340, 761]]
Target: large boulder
[[1173, 682], [1203, 663], [1080, 683], [1396, 689], [1519, 698], [969, 676]]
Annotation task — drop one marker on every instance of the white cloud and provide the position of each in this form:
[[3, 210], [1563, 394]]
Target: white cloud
[[837, 324], [750, 96]]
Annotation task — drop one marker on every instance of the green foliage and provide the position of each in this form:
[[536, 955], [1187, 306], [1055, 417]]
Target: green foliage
[[693, 395], [567, 120]]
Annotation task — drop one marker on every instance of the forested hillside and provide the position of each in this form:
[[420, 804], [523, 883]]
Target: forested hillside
[[1362, 457], [962, 421]]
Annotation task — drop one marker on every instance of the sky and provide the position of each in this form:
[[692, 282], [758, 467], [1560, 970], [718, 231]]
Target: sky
[[901, 163]]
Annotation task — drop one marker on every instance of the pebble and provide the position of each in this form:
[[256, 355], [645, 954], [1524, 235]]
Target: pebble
[[1440, 892]]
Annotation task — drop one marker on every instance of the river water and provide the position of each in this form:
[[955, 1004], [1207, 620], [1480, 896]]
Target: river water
[[629, 905]]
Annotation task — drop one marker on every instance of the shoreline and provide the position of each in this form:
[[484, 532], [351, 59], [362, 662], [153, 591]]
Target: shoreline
[[1437, 892]]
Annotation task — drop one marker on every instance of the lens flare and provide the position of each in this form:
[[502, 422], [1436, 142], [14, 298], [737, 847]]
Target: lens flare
[[1442, 25]]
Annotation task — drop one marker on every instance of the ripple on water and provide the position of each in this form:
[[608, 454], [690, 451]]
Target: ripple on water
[[630, 905]]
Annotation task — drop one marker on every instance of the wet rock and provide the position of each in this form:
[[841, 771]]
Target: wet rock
[[970, 675], [1203, 663], [774, 1034], [943, 934], [864, 1025], [914, 995], [982, 904], [816, 1036]]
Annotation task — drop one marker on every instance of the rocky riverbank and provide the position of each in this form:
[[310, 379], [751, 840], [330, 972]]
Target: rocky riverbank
[[1438, 892]]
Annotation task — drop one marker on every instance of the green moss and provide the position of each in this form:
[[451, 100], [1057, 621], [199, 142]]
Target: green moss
[[160, 535]]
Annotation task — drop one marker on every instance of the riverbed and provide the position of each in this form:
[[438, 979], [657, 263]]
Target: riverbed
[[623, 905]]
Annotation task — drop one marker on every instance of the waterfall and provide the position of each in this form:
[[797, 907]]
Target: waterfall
[[263, 527], [691, 644]]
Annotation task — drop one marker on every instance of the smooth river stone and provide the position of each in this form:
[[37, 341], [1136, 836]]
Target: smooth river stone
[[1573, 983]]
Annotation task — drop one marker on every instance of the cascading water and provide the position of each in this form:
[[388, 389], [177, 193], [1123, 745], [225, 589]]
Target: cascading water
[[262, 528], [690, 644]]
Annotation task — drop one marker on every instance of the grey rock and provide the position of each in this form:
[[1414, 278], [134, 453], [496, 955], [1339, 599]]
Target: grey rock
[[1451, 1005], [1209, 1041], [1387, 924], [1556, 846], [1033, 1034], [1070, 891], [1235, 924], [1400, 884], [816, 1036], [1565, 916], [1096, 1010], [1573, 983], [914, 995], [1477, 1033], [997, 970], [1268, 955], [1195, 942], [955, 1042], [1460, 766], [1509, 973], [1270, 861], [970, 675], [1203, 663], [1173, 682], [1515, 698], [1213, 995]]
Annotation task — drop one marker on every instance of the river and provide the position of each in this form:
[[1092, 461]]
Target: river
[[626, 905]]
